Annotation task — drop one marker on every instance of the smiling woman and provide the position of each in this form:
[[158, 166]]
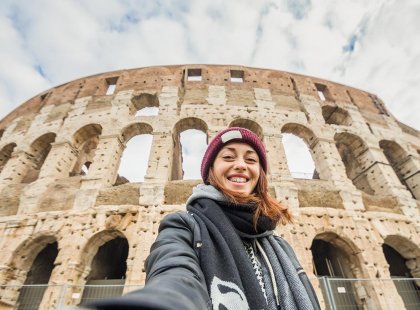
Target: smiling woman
[[223, 247]]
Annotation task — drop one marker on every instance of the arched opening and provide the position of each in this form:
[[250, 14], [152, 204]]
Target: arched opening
[[145, 105], [108, 267], [399, 160], [1, 133], [85, 140], [351, 149], [332, 260], [37, 278], [397, 263], [135, 158], [148, 111], [336, 115], [194, 144], [190, 142], [5, 154], [248, 124], [39, 151], [402, 257], [298, 143]]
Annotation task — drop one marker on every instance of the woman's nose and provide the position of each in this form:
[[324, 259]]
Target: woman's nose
[[240, 164]]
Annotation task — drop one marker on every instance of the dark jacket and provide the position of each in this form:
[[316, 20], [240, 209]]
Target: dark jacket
[[174, 277]]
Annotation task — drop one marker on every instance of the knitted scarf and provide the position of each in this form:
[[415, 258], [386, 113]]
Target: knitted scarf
[[228, 271]]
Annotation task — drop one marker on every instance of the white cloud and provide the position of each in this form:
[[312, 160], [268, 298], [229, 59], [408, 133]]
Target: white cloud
[[134, 160], [370, 45], [194, 143]]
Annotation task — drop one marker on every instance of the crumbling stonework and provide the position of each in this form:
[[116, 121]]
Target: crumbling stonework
[[366, 193]]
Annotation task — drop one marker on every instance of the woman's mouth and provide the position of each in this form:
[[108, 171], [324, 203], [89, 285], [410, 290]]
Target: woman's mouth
[[238, 180]]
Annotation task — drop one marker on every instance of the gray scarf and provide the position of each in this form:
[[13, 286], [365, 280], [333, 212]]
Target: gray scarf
[[225, 263]]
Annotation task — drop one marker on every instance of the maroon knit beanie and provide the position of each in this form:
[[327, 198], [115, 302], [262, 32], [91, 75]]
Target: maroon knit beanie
[[233, 134]]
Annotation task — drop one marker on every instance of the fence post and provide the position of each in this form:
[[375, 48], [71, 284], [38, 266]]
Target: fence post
[[328, 292], [63, 291]]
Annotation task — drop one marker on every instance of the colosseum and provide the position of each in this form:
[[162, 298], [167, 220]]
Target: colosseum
[[71, 226]]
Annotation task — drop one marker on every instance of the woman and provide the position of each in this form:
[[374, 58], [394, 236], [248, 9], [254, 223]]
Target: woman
[[221, 253]]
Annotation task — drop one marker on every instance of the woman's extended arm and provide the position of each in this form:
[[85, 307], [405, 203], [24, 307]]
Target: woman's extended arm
[[174, 278]]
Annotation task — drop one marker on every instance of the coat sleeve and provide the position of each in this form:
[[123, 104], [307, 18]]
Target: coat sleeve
[[174, 279]]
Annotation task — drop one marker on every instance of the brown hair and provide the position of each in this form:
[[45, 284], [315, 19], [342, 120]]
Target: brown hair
[[266, 205]]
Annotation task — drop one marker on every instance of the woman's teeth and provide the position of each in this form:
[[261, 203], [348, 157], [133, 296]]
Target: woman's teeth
[[237, 180]]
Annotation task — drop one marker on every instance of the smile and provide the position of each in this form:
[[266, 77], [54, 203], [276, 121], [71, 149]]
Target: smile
[[238, 180]]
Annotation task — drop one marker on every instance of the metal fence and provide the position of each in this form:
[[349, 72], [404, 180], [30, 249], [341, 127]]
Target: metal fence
[[337, 294], [340, 293]]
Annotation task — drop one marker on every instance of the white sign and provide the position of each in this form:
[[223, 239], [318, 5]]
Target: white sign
[[341, 289], [75, 296]]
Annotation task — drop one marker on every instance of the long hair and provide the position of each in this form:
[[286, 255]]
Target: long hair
[[266, 205]]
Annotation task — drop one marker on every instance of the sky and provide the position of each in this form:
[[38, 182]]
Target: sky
[[368, 44]]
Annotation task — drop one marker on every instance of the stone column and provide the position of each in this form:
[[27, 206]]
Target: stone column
[[280, 177], [57, 165], [159, 169], [410, 170], [331, 167], [328, 161], [160, 157], [102, 172], [60, 160], [378, 172], [15, 168], [65, 274], [105, 165], [313, 109], [276, 156], [384, 181]]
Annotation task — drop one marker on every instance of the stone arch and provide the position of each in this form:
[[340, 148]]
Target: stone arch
[[399, 159], [39, 150], [142, 101], [25, 253], [104, 261], [349, 248], [337, 257], [407, 248], [248, 124], [137, 140], [181, 126], [135, 129], [91, 247], [32, 262], [403, 258], [351, 149], [6, 154], [301, 131], [310, 140], [336, 115], [85, 140]]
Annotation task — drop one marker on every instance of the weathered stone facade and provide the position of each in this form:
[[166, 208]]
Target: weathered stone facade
[[368, 163]]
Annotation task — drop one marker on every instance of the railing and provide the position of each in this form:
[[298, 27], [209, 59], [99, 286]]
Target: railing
[[342, 293], [337, 293]]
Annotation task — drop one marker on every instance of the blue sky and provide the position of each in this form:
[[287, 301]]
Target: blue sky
[[369, 44], [372, 45]]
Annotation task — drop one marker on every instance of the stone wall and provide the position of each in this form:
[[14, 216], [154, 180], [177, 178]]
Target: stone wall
[[368, 165]]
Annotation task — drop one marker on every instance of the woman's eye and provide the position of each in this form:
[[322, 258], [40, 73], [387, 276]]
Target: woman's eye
[[227, 157], [253, 160]]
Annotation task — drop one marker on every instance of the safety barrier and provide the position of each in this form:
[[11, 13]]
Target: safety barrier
[[338, 293]]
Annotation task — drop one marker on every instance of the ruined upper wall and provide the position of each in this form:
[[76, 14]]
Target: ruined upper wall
[[287, 89]]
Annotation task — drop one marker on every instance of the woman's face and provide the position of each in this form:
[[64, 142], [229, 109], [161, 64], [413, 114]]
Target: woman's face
[[237, 167]]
